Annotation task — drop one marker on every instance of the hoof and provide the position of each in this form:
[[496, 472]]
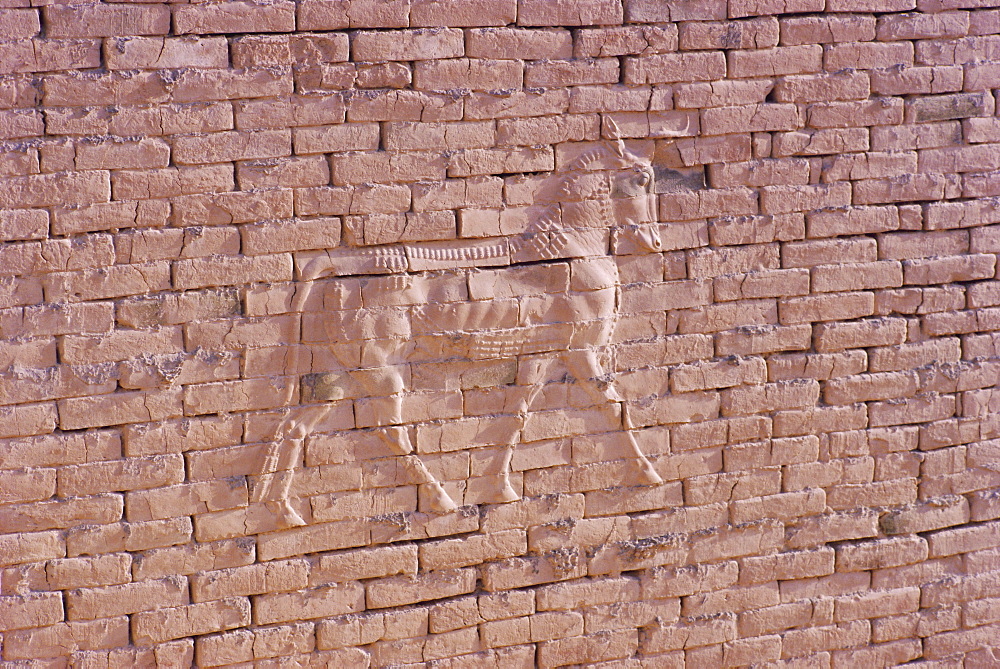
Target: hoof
[[647, 475], [438, 501], [285, 516]]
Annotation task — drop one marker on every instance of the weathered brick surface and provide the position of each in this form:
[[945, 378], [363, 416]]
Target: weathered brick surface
[[235, 413]]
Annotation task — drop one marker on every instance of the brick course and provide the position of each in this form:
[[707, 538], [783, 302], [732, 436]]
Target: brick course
[[808, 356]]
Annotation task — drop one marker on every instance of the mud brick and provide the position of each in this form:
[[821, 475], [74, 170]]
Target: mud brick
[[113, 600], [727, 93], [167, 183], [949, 269], [283, 173], [270, 577], [199, 85], [56, 640], [189, 559], [367, 198], [261, 51], [945, 107], [909, 245], [237, 17], [963, 539], [480, 106], [857, 276], [232, 145], [158, 52], [467, 13], [738, 371], [394, 590], [626, 40], [822, 419], [820, 366], [343, 137], [751, 340], [981, 130], [721, 150], [778, 61], [876, 111], [478, 162], [914, 136], [18, 124], [131, 474], [752, 118], [585, 99], [408, 45], [825, 29], [868, 166], [567, 13], [756, 33], [734, 230], [31, 610], [20, 23], [823, 87], [919, 409], [120, 345], [693, 205], [820, 142], [980, 76], [42, 190], [516, 43], [106, 20], [203, 272], [23, 224], [185, 499], [363, 564], [454, 553], [730, 260], [538, 130], [787, 199], [908, 187], [975, 158], [30, 547], [913, 80], [674, 67], [577, 72]]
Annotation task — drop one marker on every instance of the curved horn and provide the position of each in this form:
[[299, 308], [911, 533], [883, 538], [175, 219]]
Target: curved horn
[[615, 135]]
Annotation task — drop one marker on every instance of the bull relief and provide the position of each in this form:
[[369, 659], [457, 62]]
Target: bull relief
[[393, 333]]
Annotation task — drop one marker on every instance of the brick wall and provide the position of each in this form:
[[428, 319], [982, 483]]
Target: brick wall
[[251, 267]]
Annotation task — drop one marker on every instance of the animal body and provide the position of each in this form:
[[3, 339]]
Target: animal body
[[565, 313]]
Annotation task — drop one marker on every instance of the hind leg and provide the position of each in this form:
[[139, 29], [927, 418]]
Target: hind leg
[[398, 440], [585, 366], [272, 484]]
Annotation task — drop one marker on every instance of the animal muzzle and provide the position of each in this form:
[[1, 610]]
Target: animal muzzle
[[647, 237]]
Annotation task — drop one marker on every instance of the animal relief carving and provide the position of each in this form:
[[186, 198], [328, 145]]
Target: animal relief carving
[[540, 304]]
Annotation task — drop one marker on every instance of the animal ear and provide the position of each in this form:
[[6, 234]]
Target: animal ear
[[615, 135]]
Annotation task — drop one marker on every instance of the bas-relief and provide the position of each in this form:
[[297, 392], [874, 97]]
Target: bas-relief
[[599, 202]]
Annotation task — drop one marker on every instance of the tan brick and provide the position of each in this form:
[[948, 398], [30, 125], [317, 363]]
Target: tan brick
[[236, 17], [106, 21], [566, 13], [408, 45], [519, 43], [83, 572], [927, 515], [397, 590], [98, 539], [54, 641], [113, 600], [162, 624], [668, 68]]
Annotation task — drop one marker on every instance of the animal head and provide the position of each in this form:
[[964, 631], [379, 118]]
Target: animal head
[[605, 186]]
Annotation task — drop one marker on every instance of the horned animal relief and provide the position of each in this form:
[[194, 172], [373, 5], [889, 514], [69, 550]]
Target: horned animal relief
[[393, 334]]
